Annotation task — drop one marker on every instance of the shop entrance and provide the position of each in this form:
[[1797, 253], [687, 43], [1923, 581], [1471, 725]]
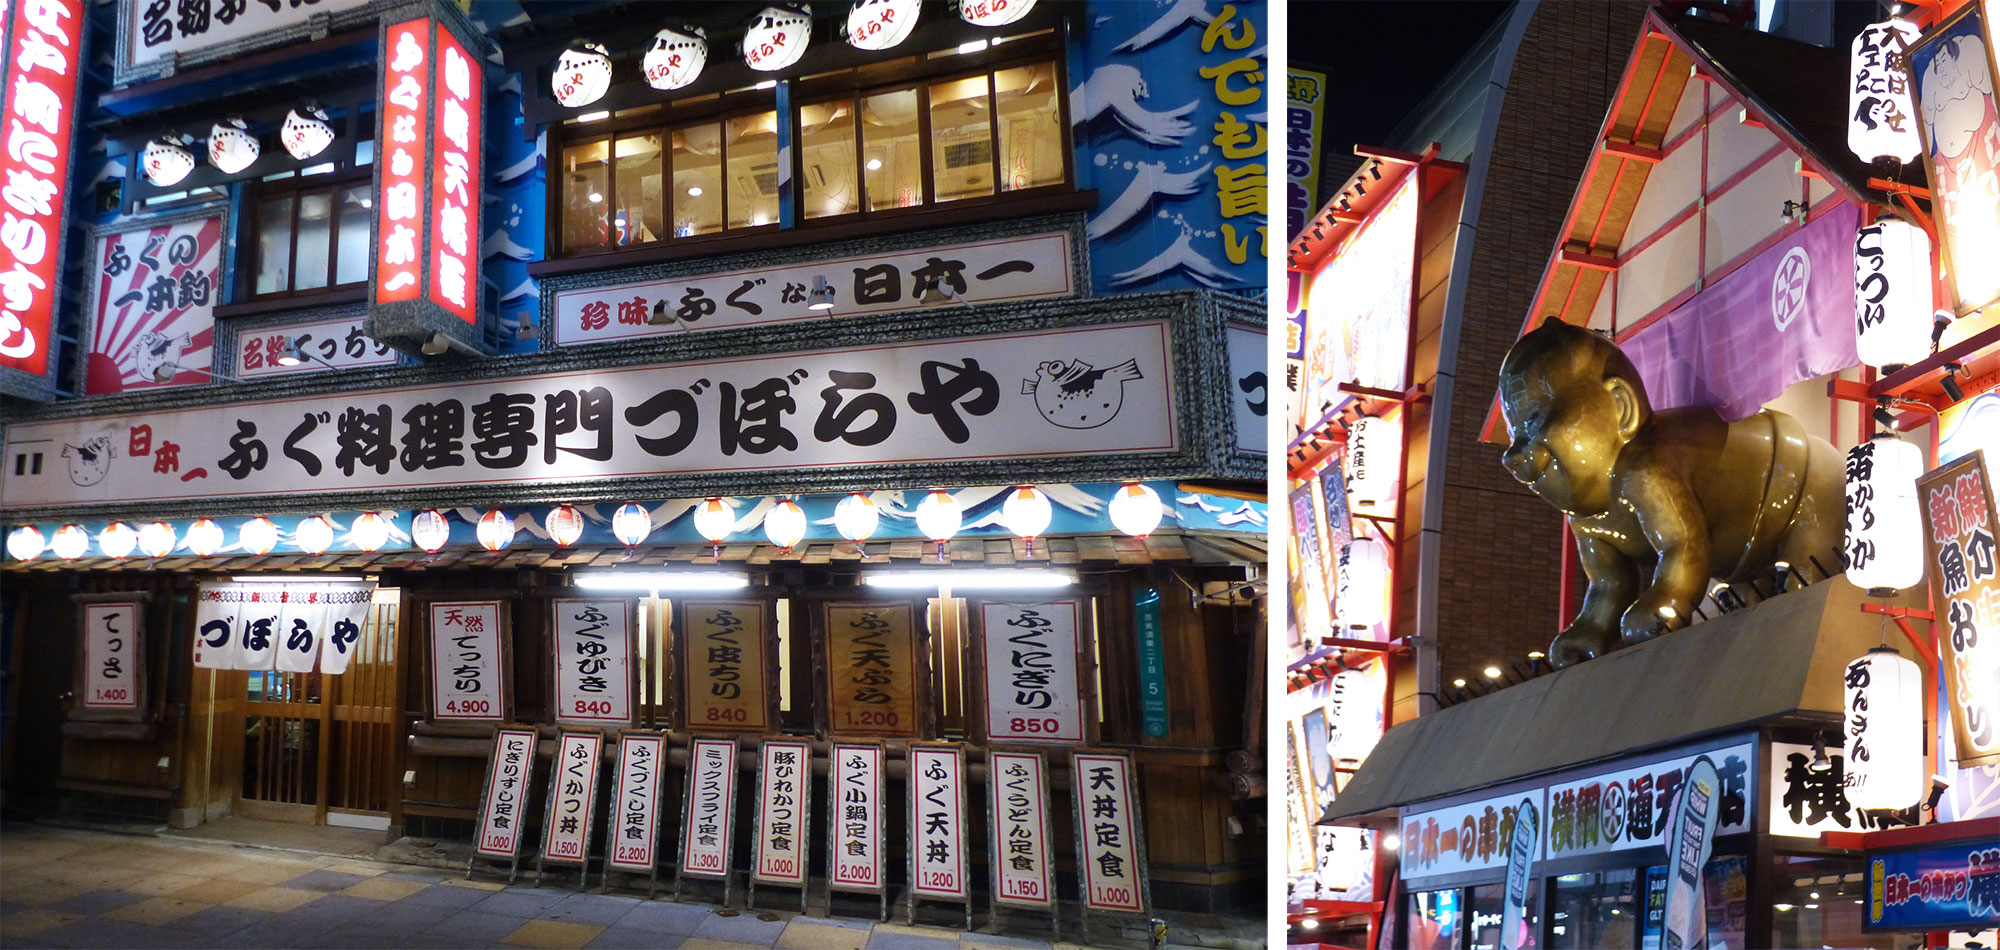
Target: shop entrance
[[318, 748]]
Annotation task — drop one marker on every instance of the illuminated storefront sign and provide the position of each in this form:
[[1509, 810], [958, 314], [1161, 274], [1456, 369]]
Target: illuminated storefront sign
[[1959, 538], [1628, 808], [1305, 109], [1960, 119], [1358, 312], [1953, 887], [154, 306], [44, 41]]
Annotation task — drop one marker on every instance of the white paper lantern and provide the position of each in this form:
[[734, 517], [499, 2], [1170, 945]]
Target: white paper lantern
[[370, 531], [117, 539], [165, 161], [583, 73], [714, 520], [70, 542], [1136, 510], [306, 132], [856, 518], [1892, 293], [25, 543], [1885, 731], [1881, 122], [938, 516], [429, 530], [204, 537], [231, 147], [157, 539], [565, 524], [676, 59], [1884, 544], [1363, 596], [776, 39], [1372, 444], [495, 530], [1026, 512], [785, 524], [257, 536], [993, 12], [881, 24], [313, 535], [631, 523]]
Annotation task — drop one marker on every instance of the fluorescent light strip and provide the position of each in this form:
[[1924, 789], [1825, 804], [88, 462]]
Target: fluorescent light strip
[[295, 578], [662, 580], [1001, 578]]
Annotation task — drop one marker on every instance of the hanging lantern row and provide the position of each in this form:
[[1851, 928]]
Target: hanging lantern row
[[258, 536], [169, 157]]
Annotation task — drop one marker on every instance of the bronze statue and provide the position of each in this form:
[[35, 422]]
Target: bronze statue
[[1660, 502]]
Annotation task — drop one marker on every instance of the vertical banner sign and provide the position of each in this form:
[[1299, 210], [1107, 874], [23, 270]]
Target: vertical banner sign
[[711, 796], [871, 669], [256, 644], [1693, 835], [508, 776], [854, 817], [1308, 574], [153, 307], [593, 645], [937, 823], [290, 627], [1959, 116], [1019, 848], [1520, 862], [1305, 109], [455, 191], [1107, 832], [633, 835], [1959, 537], [468, 679], [44, 48], [402, 172], [572, 797], [217, 614], [1152, 664], [722, 655], [784, 798], [111, 655], [1030, 654]]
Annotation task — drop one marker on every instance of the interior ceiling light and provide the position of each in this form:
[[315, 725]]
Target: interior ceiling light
[[676, 59], [881, 24], [565, 524], [117, 539], [662, 580], [993, 12], [166, 159], [256, 536], [157, 539], [70, 542], [306, 132], [25, 543], [988, 578], [231, 147], [776, 39], [583, 74]]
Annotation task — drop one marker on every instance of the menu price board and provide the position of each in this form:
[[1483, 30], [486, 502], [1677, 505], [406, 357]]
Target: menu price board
[[634, 833], [572, 797], [1959, 537], [937, 823], [722, 651], [871, 652], [711, 809], [1030, 655], [113, 663], [1018, 786], [1107, 843], [509, 774], [854, 817], [784, 799], [468, 669], [592, 662]]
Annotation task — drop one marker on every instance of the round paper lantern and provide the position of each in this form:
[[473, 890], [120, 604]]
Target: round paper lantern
[[25, 543], [429, 530], [496, 530], [257, 536], [157, 539], [631, 523], [785, 524], [993, 12], [938, 516], [306, 132], [1881, 122], [776, 39], [1371, 461], [1026, 512], [1135, 509], [117, 539], [676, 59], [856, 518], [881, 24], [166, 160], [370, 531], [204, 538], [583, 73], [70, 542], [1883, 549], [714, 520], [1885, 731], [314, 535], [1892, 293], [231, 147], [1363, 596], [565, 524]]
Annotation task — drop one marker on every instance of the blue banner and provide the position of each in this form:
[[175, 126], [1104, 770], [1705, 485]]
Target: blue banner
[[1954, 887]]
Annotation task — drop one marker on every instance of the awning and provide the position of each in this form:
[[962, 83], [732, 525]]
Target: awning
[[1781, 658]]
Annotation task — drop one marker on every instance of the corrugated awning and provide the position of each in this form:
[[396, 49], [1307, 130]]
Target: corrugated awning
[[1779, 659]]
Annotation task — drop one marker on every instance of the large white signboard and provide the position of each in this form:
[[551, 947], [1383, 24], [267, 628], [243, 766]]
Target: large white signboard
[[784, 798], [1032, 687], [466, 670], [635, 811], [110, 657], [1468, 837], [1010, 269], [506, 799], [155, 293], [572, 798], [1019, 846], [1073, 392], [155, 29], [1249, 388], [937, 823], [1108, 832], [593, 645], [854, 825], [1628, 808], [711, 797]]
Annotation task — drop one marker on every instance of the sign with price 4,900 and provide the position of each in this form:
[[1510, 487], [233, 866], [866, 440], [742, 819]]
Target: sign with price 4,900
[[468, 666]]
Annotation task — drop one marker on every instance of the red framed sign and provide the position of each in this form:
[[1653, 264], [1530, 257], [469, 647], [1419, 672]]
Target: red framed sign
[[593, 653], [468, 673], [1030, 653], [1018, 798], [784, 800], [706, 840], [937, 823], [1108, 848], [509, 775], [854, 817], [633, 837], [44, 51], [572, 802]]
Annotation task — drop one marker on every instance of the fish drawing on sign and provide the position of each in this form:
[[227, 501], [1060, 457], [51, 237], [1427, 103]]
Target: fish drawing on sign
[[1076, 395], [88, 462], [157, 356]]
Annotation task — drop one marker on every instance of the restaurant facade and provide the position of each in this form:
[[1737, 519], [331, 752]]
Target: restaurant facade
[[755, 428]]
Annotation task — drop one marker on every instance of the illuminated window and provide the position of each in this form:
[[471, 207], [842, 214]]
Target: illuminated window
[[313, 237], [658, 185]]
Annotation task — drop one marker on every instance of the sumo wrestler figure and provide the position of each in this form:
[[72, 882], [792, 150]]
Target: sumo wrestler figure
[[1660, 502]]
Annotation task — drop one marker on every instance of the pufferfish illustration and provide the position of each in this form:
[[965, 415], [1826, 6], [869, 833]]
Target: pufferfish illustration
[[157, 356], [1076, 395], [88, 462]]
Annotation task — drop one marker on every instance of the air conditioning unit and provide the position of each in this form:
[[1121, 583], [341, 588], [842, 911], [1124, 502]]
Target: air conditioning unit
[[977, 152]]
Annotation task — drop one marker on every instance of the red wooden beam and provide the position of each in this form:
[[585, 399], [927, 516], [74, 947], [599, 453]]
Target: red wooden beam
[[1591, 261], [1651, 156], [1743, 117], [1971, 829]]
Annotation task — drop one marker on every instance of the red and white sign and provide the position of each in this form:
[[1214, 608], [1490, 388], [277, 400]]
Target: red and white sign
[[854, 817], [465, 661], [154, 315], [507, 780], [593, 644], [110, 657], [706, 835], [455, 190], [636, 809], [406, 100], [44, 41], [323, 344], [1032, 687], [427, 223], [784, 799], [572, 798], [937, 823], [1107, 832], [1020, 844]]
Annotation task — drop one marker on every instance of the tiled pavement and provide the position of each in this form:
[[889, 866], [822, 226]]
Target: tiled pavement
[[69, 888]]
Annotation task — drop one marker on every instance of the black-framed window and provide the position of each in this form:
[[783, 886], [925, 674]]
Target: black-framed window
[[685, 180], [311, 235]]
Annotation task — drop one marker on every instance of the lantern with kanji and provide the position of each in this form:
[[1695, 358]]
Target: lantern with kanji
[[776, 38], [1881, 123], [1363, 596], [1883, 549], [430, 530], [495, 530], [565, 524], [1884, 731], [582, 74], [676, 59], [1892, 293], [1371, 462]]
